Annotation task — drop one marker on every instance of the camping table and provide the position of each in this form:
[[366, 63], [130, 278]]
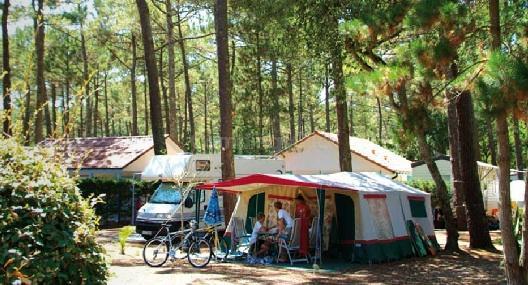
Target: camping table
[[263, 237]]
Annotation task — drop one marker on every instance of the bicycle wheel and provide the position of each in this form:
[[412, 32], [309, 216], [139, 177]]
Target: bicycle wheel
[[199, 253], [220, 249], [156, 252]]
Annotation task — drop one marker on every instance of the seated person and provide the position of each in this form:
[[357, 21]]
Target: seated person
[[283, 233], [283, 214], [254, 241]]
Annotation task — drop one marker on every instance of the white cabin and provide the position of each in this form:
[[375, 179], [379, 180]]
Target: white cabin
[[318, 153]]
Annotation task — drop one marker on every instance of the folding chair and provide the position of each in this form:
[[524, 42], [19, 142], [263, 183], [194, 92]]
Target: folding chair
[[240, 238], [293, 244], [313, 232]]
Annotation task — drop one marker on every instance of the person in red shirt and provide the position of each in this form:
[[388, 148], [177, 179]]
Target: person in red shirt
[[302, 211]]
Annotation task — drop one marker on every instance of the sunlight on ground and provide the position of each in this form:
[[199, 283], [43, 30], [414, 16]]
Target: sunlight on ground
[[466, 267]]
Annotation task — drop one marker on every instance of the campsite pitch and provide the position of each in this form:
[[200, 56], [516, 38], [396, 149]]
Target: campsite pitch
[[467, 267]]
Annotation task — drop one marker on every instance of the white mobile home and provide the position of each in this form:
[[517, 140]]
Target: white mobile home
[[318, 153]]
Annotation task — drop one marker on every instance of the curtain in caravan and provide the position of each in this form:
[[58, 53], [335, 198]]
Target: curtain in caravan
[[380, 216]]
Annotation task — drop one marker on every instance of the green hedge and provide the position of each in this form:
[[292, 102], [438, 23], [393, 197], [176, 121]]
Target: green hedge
[[117, 197]]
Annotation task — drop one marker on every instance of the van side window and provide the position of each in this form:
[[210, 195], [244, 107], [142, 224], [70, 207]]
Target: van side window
[[203, 165]]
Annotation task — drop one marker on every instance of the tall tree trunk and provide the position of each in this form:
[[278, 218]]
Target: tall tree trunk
[[425, 153], [476, 215], [53, 107], [511, 258], [6, 80], [343, 132], [188, 93], [312, 119], [511, 254], [491, 140], [519, 162], [226, 125], [300, 120], [95, 110], [260, 96], [41, 85], [380, 121], [152, 72], [133, 89], [80, 126], [165, 97], [173, 117], [206, 136], [275, 110], [47, 118], [351, 115], [66, 111], [146, 106], [327, 99], [211, 134], [86, 84], [107, 115], [457, 182], [27, 115], [291, 104]]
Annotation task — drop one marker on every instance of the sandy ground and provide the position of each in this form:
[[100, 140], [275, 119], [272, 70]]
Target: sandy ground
[[466, 267]]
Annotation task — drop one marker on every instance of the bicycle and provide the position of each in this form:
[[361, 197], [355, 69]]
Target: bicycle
[[210, 245], [159, 248]]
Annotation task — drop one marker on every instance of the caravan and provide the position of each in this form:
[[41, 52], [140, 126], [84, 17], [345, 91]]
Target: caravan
[[176, 199]]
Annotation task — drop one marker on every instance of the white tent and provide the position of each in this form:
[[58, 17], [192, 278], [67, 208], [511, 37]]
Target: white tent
[[368, 211]]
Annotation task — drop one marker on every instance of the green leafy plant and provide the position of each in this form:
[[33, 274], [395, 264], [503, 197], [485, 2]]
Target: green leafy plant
[[124, 233], [47, 229]]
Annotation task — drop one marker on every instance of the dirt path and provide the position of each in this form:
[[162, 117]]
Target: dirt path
[[467, 267]]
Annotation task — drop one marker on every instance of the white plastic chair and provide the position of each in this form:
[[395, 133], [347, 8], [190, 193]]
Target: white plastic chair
[[293, 244]]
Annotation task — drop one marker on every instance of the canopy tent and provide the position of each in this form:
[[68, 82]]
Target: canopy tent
[[363, 214]]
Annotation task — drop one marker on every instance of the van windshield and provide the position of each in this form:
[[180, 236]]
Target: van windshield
[[166, 194]]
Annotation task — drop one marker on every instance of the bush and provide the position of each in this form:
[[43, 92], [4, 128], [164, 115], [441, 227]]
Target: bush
[[47, 230]]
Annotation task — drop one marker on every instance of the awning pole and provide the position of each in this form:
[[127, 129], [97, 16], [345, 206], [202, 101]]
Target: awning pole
[[320, 222]]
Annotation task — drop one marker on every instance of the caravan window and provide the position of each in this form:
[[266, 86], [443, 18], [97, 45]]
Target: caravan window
[[417, 208], [203, 165]]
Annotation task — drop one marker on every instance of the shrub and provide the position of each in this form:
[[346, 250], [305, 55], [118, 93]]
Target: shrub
[[47, 230], [124, 233]]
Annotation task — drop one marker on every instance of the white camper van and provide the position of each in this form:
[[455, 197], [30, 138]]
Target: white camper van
[[175, 199]]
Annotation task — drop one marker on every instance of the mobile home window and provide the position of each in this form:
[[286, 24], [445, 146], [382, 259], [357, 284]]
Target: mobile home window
[[203, 165], [418, 208]]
